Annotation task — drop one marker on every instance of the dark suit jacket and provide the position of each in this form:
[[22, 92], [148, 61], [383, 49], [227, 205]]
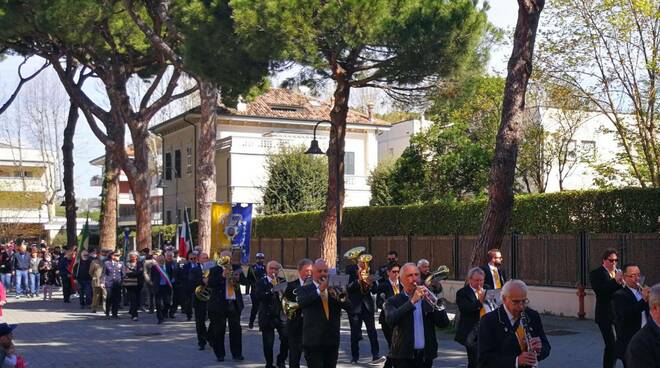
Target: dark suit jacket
[[270, 306], [469, 307], [360, 300], [627, 317], [604, 286], [644, 348], [384, 291], [155, 275], [195, 275], [498, 344], [488, 279], [255, 273], [294, 325], [217, 302], [399, 315], [319, 331]]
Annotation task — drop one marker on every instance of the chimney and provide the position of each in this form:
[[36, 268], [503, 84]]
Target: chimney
[[370, 110], [241, 106]]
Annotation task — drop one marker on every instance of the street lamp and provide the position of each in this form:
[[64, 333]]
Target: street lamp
[[314, 149]]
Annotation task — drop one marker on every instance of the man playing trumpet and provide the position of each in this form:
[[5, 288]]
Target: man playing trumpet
[[271, 317], [295, 321], [360, 287], [321, 309], [631, 308], [413, 321]]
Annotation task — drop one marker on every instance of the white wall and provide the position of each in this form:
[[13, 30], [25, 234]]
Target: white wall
[[393, 142]]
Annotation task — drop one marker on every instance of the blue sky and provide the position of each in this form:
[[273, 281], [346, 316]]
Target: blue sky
[[502, 13]]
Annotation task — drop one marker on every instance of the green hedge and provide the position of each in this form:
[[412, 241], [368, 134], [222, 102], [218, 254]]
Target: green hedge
[[597, 211]]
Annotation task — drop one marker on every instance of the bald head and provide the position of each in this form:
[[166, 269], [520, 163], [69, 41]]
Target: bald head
[[319, 270]]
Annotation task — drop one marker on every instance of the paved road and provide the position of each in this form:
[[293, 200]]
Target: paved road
[[54, 334]]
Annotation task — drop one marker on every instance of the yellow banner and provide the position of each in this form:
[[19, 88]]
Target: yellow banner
[[220, 214]]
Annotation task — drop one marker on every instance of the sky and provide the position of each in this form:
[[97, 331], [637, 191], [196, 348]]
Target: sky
[[502, 14]]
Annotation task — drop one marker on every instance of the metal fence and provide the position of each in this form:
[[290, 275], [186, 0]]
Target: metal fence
[[544, 260]]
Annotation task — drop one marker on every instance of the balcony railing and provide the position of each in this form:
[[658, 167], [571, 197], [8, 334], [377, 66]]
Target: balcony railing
[[11, 184], [265, 145]]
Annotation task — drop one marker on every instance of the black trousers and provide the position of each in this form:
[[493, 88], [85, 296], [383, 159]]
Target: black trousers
[[66, 289], [113, 300], [419, 361], [295, 348], [163, 301], [387, 332], [219, 322], [254, 309], [200, 322], [472, 355], [268, 340], [356, 321], [609, 353], [133, 294], [321, 357]]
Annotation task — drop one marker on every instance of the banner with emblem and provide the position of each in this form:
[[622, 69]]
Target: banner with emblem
[[231, 227]]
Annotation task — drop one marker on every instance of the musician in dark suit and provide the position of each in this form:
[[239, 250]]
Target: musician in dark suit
[[321, 309], [605, 280], [295, 323], [392, 257], [271, 317], [224, 308], [644, 348], [631, 309], [470, 301], [196, 277], [385, 290], [413, 320], [502, 337], [495, 275], [360, 286], [255, 273]]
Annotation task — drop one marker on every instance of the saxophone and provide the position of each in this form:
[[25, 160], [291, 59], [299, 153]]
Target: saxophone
[[524, 322]]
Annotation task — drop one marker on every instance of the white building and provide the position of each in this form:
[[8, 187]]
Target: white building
[[392, 143], [26, 190], [247, 134]]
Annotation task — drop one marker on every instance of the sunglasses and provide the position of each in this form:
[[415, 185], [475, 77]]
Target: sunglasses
[[613, 260], [394, 271]]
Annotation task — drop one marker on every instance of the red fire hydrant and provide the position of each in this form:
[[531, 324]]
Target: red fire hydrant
[[581, 294]]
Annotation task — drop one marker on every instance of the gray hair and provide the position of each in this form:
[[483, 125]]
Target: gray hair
[[274, 263], [304, 262], [423, 262], [475, 270], [134, 253], [654, 295], [407, 265], [512, 284]]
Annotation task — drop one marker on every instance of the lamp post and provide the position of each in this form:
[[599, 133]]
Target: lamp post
[[314, 149]]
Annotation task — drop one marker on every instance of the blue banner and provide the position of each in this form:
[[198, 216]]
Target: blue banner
[[238, 229]]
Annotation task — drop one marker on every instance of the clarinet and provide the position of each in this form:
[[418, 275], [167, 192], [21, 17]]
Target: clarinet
[[524, 322]]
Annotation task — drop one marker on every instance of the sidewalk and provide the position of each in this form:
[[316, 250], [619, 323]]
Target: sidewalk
[[54, 334]]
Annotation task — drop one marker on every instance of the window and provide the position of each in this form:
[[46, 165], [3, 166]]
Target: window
[[23, 174], [349, 163], [588, 150], [189, 160], [571, 150], [177, 163], [168, 217], [168, 166]]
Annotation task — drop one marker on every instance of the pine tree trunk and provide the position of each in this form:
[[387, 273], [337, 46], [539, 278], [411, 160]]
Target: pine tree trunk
[[335, 177], [108, 221], [67, 177], [206, 187], [502, 171], [140, 181]]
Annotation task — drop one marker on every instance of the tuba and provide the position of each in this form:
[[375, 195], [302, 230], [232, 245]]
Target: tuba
[[203, 292], [353, 253]]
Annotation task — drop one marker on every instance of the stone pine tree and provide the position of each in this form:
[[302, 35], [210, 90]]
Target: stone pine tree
[[400, 46], [211, 53], [101, 37], [503, 167]]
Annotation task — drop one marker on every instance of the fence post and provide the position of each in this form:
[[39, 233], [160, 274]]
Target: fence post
[[282, 250], [369, 244], [410, 248], [455, 256], [514, 255], [307, 247], [583, 260]]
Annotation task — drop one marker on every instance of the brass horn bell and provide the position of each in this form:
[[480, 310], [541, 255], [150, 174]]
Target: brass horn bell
[[353, 253]]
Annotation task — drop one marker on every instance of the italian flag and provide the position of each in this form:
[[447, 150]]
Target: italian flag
[[184, 236]]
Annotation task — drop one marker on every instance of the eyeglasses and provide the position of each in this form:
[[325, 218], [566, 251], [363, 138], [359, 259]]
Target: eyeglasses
[[613, 260], [520, 301], [394, 271]]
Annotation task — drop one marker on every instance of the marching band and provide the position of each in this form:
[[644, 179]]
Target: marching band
[[494, 321]]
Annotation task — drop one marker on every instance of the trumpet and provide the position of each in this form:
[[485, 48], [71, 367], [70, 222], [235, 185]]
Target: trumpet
[[430, 298]]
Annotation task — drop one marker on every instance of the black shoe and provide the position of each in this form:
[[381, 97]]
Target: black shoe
[[114, 316], [160, 321], [251, 325], [201, 347], [354, 361], [189, 318], [239, 358], [221, 359]]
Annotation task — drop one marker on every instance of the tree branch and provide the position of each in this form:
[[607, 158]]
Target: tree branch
[[21, 82]]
